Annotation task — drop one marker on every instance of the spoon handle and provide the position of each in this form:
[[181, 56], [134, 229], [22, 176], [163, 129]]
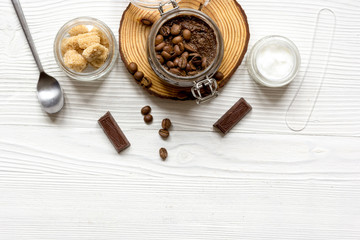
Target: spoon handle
[[25, 27]]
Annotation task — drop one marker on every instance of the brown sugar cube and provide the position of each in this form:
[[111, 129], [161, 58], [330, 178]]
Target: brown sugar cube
[[79, 29], [69, 44], [95, 51], [97, 63], [103, 39], [75, 61], [87, 39]]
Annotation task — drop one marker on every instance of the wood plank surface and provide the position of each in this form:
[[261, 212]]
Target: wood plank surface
[[60, 177]]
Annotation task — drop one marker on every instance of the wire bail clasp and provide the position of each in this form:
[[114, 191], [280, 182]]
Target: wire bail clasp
[[172, 2]]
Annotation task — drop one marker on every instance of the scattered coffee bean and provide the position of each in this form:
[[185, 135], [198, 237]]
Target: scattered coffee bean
[[187, 34], [132, 67], [164, 133], [165, 31], [147, 22], [148, 118], [160, 58], [166, 55], [159, 39], [160, 46], [145, 82], [219, 76], [163, 153], [166, 124], [146, 110], [139, 76], [175, 29], [177, 40]]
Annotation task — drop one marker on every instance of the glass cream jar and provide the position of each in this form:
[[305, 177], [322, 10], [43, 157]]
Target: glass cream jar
[[274, 61]]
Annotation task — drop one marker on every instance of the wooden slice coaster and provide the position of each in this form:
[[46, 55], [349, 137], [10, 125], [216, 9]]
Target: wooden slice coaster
[[133, 33]]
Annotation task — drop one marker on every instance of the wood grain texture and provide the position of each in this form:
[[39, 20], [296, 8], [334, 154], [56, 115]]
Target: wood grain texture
[[60, 178], [227, 14]]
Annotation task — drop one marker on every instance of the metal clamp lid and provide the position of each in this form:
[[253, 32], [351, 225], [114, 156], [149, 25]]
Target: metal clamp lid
[[172, 2], [209, 83]]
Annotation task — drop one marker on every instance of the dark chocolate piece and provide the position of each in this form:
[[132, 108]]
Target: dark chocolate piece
[[233, 116], [113, 132]]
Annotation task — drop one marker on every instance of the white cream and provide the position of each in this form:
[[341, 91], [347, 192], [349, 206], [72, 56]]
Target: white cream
[[275, 61]]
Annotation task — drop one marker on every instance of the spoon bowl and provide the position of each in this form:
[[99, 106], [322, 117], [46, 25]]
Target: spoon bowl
[[50, 93]]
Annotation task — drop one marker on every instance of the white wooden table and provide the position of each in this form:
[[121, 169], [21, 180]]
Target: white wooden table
[[60, 178]]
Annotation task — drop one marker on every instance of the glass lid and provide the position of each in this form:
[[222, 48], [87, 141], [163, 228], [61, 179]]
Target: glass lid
[[150, 4]]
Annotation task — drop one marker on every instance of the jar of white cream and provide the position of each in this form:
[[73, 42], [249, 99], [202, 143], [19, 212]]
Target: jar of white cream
[[274, 61]]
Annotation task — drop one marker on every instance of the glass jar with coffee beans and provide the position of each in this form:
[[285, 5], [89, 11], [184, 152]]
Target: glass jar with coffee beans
[[185, 49]]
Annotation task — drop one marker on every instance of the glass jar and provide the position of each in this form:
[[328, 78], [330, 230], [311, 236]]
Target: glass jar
[[274, 61], [90, 73], [203, 79]]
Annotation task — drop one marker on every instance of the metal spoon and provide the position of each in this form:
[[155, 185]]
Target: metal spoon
[[49, 91]]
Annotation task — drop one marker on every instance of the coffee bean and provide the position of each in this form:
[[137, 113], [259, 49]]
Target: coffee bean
[[182, 63], [181, 46], [145, 82], [160, 58], [139, 76], [170, 64], [164, 133], [146, 110], [177, 50], [185, 55], [159, 39], [148, 118], [166, 55], [165, 31], [192, 66], [196, 60], [176, 62], [132, 67], [175, 29], [166, 124], [189, 48], [147, 22], [187, 34], [219, 76], [175, 71], [188, 67], [177, 39], [168, 49], [192, 73], [160, 46], [163, 153], [204, 62]]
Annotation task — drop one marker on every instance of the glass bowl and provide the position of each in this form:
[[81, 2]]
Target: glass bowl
[[90, 73]]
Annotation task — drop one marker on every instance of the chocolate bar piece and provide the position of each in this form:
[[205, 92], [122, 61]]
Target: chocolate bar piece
[[233, 116], [113, 132]]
